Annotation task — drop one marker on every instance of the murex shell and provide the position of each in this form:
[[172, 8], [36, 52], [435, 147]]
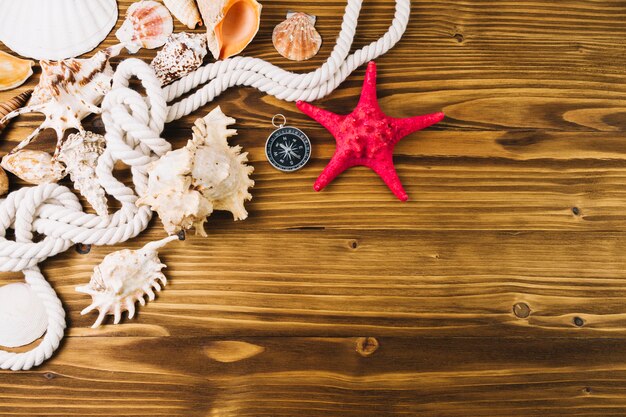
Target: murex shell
[[148, 25], [182, 54], [296, 38], [123, 278], [23, 317], [186, 185], [67, 92], [34, 167], [185, 11], [231, 25], [79, 154], [14, 71]]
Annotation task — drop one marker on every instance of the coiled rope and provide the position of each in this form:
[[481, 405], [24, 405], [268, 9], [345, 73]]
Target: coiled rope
[[134, 124]]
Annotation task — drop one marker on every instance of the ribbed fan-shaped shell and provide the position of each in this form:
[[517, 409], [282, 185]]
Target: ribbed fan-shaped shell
[[23, 317], [14, 71], [296, 38], [55, 29], [148, 24]]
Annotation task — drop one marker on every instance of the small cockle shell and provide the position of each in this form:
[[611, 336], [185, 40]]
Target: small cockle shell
[[14, 71], [296, 38], [148, 25], [123, 278], [12, 105], [79, 154], [34, 167], [67, 92], [186, 185], [23, 317], [185, 11], [231, 25], [182, 54], [4, 182]]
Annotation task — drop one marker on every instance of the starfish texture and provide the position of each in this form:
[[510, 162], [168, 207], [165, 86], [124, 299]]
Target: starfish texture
[[366, 136]]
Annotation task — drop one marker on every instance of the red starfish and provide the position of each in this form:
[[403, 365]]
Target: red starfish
[[366, 136]]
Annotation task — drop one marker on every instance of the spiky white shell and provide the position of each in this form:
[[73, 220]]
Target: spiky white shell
[[147, 25], [23, 317], [183, 53], [79, 154], [59, 29], [123, 278], [34, 167], [186, 185]]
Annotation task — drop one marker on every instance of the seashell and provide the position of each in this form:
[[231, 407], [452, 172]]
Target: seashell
[[4, 182], [67, 92], [14, 71], [148, 25], [185, 11], [23, 317], [231, 25], [55, 30], [182, 54], [12, 105], [123, 278], [186, 185], [34, 167], [79, 154], [296, 38]]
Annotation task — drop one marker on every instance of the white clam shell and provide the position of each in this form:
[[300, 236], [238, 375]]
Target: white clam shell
[[23, 317], [55, 29]]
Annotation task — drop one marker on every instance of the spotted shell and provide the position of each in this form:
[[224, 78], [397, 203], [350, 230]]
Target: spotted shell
[[296, 38], [183, 53]]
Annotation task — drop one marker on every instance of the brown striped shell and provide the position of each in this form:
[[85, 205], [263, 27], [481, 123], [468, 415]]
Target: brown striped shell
[[296, 38], [11, 105]]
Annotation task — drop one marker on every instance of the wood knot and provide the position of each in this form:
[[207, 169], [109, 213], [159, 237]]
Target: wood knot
[[578, 321], [587, 390], [49, 375], [576, 211], [366, 346], [459, 37], [82, 248], [354, 244], [521, 310]]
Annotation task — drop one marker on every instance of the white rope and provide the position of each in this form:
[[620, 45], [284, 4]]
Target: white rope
[[133, 128]]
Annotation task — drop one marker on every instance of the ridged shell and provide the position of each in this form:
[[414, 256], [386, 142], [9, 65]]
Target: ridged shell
[[182, 54], [185, 11], [23, 317], [148, 24], [4, 182], [34, 167], [123, 278], [296, 38], [231, 25], [80, 154], [55, 29], [11, 105], [14, 71]]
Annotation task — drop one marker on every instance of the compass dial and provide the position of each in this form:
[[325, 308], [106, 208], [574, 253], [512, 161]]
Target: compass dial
[[288, 149]]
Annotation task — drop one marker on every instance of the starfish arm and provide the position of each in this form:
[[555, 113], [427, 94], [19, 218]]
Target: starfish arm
[[409, 125], [336, 166], [368, 92], [329, 120], [386, 170]]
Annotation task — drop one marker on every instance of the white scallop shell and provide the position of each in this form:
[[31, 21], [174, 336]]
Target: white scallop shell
[[23, 317], [55, 29]]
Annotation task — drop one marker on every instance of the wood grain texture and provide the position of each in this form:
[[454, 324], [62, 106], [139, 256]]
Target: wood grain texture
[[497, 290]]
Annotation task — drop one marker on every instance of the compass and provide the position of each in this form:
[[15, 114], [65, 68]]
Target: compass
[[287, 148]]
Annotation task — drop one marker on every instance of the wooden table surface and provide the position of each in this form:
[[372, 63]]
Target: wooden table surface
[[499, 289]]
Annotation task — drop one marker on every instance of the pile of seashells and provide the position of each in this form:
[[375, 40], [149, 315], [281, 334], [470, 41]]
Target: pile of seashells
[[185, 185]]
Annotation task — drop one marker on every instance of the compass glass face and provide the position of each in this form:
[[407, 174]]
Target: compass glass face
[[288, 149]]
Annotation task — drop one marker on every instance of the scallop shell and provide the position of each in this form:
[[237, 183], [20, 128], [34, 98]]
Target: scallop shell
[[231, 25], [123, 278], [185, 11], [148, 25], [55, 30], [4, 182], [67, 92], [182, 54], [14, 71], [79, 154], [12, 105], [34, 167], [23, 317], [296, 38], [186, 185]]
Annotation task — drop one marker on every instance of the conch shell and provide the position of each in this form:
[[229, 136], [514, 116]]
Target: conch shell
[[79, 154], [182, 54], [34, 167], [231, 25], [296, 38], [147, 25], [185, 11], [14, 71], [123, 278], [186, 185], [67, 92], [12, 105]]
